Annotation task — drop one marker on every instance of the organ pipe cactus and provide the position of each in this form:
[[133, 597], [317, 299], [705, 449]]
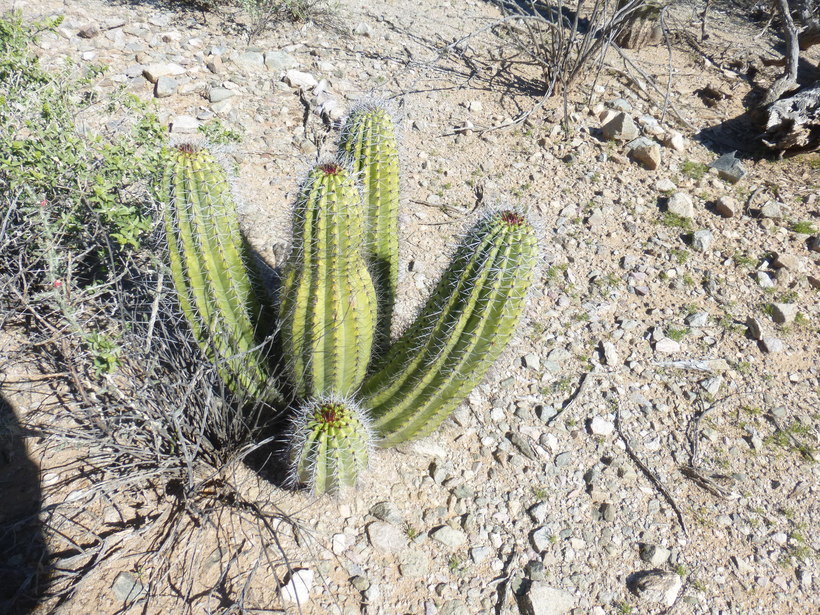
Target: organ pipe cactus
[[458, 334], [328, 304], [211, 271], [368, 146], [329, 445]]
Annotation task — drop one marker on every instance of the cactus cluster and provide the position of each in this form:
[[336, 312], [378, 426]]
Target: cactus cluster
[[336, 303]]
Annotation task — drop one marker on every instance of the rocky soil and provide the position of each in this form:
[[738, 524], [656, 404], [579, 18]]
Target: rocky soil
[[658, 409]]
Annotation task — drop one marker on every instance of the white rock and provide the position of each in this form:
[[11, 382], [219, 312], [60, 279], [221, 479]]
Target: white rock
[[665, 185], [681, 205], [541, 599], [784, 313], [541, 539], [599, 426], [184, 124], [676, 141], [338, 543], [667, 346], [610, 354], [659, 586], [297, 589], [386, 537], [297, 79]]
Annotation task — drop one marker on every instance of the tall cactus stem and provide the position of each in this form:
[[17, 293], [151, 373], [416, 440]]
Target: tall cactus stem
[[368, 145], [328, 305], [459, 333], [210, 268]]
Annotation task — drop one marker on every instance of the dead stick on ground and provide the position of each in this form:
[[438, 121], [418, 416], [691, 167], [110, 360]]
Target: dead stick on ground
[[649, 474], [154, 310], [589, 376]]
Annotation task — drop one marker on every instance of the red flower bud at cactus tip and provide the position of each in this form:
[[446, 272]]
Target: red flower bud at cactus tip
[[329, 413], [330, 169], [512, 218], [43, 203], [57, 284], [187, 148]]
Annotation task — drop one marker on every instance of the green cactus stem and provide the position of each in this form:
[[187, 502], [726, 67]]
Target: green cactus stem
[[328, 305], [368, 146], [329, 446], [459, 333], [210, 268]]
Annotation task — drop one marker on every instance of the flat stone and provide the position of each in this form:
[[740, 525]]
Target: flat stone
[[253, 60], [698, 319], [387, 511], [772, 345], [727, 207], [279, 61], [338, 543], [562, 459], [217, 95], [665, 185], [650, 125], [386, 537], [675, 141], [784, 313], [729, 168], [657, 586], [298, 79], [184, 124], [681, 205], [480, 554], [152, 72], [785, 261], [448, 536], [413, 563], [667, 346], [755, 328], [455, 607], [165, 87], [599, 426], [764, 279], [127, 587], [771, 209], [297, 587], [541, 599], [621, 128], [645, 151], [538, 512], [89, 30], [702, 240]]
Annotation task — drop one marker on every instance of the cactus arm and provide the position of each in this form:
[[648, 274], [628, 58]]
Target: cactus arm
[[459, 333]]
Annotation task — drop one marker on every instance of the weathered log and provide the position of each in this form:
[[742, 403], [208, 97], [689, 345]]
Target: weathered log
[[793, 123]]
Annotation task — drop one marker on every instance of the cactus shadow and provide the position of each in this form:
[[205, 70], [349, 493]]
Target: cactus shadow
[[23, 554]]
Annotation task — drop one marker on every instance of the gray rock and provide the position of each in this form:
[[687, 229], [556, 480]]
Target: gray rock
[[784, 313], [645, 151], [541, 599], [650, 125], [448, 536], [89, 30], [698, 319], [454, 607], [562, 459], [386, 537], [665, 185], [654, 555], [681, 205], [253, 60], [621, 127], [657, 586], [785, 261], [771, 209], [298, 79], [165, 87], [480, 554], [667, 346], [217, 95], [363, 29], [621, 104], [214, 64], [127, 587], [413, 563], [610, 354], [712, 385], [531, 361], [279, 61], [702, 240], [755, 328], [675, 141], [599, 426], [387, 511], [297, 587], [772, 345], [729, 168], [727, 207], [814, 282], [538, 512], [814, 243], [153, 72], [361, 583], [184, 124], [608, 512], [541, 539]]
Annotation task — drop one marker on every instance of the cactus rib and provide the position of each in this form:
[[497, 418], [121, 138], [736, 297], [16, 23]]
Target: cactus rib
[[459, 333], [328, 306], [209, 268], [329, 446], [368, 145]]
